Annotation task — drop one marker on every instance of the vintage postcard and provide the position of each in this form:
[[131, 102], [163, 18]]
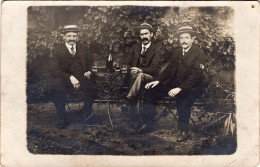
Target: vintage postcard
[[129, 83]]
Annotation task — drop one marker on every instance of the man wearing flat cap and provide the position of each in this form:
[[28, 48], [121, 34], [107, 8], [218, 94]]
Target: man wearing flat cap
[[144, 60], [182, 79], [71, 64]]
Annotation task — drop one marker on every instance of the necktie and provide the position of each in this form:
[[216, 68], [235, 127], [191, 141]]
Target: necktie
[[183, 53], [144, 49], [73, 52]]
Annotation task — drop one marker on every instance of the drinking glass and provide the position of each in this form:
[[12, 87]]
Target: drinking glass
[[124, 69], [94, 67]]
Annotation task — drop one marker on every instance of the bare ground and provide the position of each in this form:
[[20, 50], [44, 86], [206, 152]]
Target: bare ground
[[43, 137]]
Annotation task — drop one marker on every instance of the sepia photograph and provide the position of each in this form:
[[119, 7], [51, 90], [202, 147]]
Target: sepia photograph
[[116, 80], [132, 80]]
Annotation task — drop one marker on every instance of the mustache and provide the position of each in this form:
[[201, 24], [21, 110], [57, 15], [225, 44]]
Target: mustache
[[72, 41], [184, 43], [144, 39]]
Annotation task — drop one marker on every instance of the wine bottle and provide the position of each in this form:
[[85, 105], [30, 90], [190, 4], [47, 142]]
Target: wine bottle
[[109, 62]]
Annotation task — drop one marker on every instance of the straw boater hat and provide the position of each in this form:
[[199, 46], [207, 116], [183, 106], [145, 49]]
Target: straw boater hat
[[146, 26], [70, 28], [186, 29]]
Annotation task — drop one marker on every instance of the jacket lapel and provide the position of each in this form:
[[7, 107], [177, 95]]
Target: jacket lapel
[[149, 54], [137, 53], [189, 52], [82, 55], [65, 50]]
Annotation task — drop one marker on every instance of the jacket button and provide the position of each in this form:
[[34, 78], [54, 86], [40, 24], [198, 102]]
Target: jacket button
[[179, 61]]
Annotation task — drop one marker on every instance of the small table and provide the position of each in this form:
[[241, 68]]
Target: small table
[[110, 84]]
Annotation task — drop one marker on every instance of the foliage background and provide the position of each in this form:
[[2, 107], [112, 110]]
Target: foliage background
[[112, 29]]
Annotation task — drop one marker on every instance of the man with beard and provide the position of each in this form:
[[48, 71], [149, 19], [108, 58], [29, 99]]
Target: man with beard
[[71, 64], [144, 60], [182, 79]]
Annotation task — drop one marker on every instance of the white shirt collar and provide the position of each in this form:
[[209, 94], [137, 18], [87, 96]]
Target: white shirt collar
[[69, 46], [147, 45], [186, 50]]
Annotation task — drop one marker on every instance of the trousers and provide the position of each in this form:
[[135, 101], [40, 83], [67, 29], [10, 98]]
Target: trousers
[[184, 101], [60, 88], [137, 82]]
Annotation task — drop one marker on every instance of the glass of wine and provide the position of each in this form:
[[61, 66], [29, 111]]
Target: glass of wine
[[94, 67], [117, 67], [124, 69]]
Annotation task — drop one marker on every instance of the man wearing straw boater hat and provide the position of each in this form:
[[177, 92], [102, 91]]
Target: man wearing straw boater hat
[[71, 64], [184, 76], [144, 60]]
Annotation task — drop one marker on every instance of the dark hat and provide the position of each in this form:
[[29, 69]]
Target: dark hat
[[146, 26], [185, 29], [70, 28]]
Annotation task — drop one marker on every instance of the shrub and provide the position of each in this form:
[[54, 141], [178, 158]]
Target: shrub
[[112, 29]]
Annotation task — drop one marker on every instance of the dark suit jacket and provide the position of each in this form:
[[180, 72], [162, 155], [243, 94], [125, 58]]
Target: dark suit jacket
[[185, 72], [152, 60], [60, 60]]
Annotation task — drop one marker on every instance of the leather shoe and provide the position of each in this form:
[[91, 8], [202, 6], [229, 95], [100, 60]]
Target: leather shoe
[[183, 136]]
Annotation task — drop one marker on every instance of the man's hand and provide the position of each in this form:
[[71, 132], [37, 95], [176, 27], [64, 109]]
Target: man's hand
[[87, 74], [74, 82], [151, 84], [135, 70], [173, 92]]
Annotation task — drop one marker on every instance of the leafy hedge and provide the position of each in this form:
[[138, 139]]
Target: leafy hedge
[[112, 29]]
